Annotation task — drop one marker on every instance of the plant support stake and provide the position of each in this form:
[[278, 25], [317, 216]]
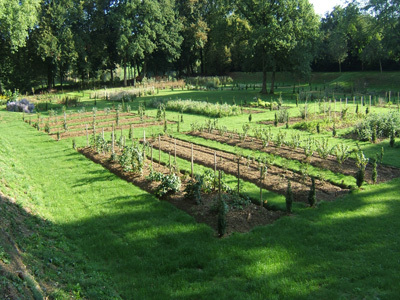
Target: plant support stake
[[191, 161]]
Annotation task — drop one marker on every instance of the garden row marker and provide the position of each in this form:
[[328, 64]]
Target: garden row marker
[[175, 151], [192, 161], [151, 155], [112, 141], [87, 136], [159, 149], [215, 166], [238, 175]]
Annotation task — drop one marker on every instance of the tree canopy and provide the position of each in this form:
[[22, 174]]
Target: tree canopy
[[47, 42]]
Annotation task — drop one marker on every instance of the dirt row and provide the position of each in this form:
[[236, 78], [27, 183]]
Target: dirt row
[[238, 220], [349, 168], [276, 179], [74, 119], [69, 134]]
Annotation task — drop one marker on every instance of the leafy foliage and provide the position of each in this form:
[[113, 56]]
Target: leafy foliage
[[170, 183]]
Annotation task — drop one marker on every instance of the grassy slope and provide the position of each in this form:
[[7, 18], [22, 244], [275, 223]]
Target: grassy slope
[[149, 249]]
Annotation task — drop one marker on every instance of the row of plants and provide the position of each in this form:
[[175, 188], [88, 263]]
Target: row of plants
[[209, 82], [213, 110], [379, 125]]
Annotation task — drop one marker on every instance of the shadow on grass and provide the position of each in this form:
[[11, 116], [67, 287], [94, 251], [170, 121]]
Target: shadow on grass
[[153, 251]]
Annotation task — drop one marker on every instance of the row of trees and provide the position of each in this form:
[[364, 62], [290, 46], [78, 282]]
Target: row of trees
[[86, 39]]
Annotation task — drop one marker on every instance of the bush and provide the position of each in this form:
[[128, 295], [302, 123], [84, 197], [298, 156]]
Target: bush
[[311, 195], [193, 189], [21, 106], [383, 123], [199, 107], [169, 184], [289, 198]]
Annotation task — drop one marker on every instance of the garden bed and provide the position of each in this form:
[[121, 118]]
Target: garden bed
[[348, 167], [238, 220], [276, 179]]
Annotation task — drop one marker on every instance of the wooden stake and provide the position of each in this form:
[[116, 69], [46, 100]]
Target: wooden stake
[[238, 175], [192, 161], [175, 151], [112, 141], [261, 176], [87, 136], [215, 167], [169, 154], [151, 155], [159, 149]]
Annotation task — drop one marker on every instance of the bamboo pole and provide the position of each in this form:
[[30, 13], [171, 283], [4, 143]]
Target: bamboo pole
[[151, 155], [191, 161], [159, 149], [87, 136]]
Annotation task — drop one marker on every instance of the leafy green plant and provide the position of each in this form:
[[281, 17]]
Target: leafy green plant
[[361, 162], [312, 199], [341, 152], [193, 189], [309, 148], [392, 138], [289, 198], [383, 123], [374, 171], [170, 184], [280, 138], [323, 148], [154, 175], [131, 158]]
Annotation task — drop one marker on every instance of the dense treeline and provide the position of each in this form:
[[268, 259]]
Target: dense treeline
[[43, 42]]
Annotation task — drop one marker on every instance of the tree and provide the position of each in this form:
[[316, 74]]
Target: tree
[[54, 39], [16, 19], [337, 47], [145, 28], [387, 14], [193, 16], [277, 28]]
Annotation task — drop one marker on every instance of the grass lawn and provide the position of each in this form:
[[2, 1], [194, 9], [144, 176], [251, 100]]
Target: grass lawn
[[92, 235]]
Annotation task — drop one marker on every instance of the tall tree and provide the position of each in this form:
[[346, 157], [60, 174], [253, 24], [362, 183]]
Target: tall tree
[[277, 28], [387, 13], [17, 17], [147, 27]]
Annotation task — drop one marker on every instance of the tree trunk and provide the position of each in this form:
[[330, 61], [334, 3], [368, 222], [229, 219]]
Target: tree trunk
[[380, 65], [125, 79], [49, 77], [272, 90], [264, 80], [201, 61], [112, 75], [340, 67]]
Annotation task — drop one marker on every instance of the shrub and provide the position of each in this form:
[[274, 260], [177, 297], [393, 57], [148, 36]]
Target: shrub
[[21, 106], [374, 171], [199, 107], [131, 159], [193, 189], [312, 195], [223, 209], [361, 162], [289, 198], [154, 175], [170, 183], [383, 123]]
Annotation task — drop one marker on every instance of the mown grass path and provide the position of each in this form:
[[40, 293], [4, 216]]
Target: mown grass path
[[345, 249]]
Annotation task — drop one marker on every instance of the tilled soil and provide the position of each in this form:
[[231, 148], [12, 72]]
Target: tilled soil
[[385, 173], [238, 220], [276, 179], [122, 125]]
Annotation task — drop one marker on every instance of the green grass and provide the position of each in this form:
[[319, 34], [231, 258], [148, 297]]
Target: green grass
[[106, 237]]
